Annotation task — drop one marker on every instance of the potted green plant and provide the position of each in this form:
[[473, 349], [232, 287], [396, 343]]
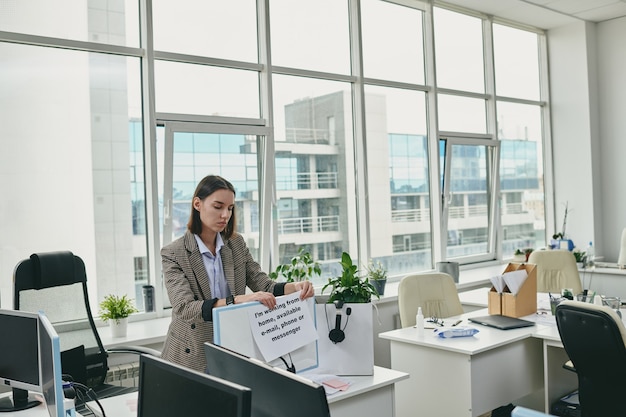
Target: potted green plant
[[115, 310], [579, 255], [349, 287], [519, 256], [527, 253], [377, 275], [301, 268], [559, 239]]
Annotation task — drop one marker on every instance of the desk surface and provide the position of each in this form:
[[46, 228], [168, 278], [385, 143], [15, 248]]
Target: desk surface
[[487, 338], [125, 405], [361, 384]]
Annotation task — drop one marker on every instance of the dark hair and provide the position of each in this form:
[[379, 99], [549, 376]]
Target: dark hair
[[207, 186]]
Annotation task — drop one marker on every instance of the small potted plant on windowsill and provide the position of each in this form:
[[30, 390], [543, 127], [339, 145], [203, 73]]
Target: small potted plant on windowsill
[[115, 310], [301, 268], [519, 256], [579, 255], [377, 276], [559, 239]]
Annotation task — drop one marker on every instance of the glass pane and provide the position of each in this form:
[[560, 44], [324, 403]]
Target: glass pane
[[89, 197], [461, 114], [232, 156], [397, 171], [459, 51], [110, 22], [311, 35], [521, 177], [468, 202], [220, 29], [315, 170], [204, 90], [384, 24], [516, 56]]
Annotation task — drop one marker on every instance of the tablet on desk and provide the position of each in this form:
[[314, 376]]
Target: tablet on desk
[[501, 322]]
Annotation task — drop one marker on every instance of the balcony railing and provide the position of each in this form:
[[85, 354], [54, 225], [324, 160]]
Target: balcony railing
[[308, 181], [305, 135], [411, 216], [423, 215], [309, 225]]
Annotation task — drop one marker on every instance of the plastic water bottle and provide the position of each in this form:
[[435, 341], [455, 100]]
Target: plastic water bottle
[[419, 321], [590, 256]]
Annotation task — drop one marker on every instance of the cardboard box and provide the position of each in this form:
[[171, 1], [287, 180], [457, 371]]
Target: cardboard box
[[494, 301], [521, 304]]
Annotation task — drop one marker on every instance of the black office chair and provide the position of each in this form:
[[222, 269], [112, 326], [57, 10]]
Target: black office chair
[[56, 283], [594, 338]]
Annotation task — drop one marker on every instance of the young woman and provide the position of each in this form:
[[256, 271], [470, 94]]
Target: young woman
[[211, 266]]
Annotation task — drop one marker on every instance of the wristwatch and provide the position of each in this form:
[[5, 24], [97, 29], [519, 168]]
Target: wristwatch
[[230, 300]]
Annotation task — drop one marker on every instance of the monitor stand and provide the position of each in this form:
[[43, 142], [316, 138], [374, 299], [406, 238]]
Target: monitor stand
[[20, 401]]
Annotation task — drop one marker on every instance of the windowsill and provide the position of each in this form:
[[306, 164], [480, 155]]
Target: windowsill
[[140, 333], [472, 282], [470, 279]]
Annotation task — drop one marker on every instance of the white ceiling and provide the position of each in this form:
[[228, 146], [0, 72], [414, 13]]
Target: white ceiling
[[548, 14]]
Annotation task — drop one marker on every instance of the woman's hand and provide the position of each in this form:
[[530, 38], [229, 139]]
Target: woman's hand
[[265, 298], [305, 287]]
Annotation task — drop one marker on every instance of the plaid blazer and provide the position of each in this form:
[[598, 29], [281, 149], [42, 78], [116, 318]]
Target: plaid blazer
[[187, 285]]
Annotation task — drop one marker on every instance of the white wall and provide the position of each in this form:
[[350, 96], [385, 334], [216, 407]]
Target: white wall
[[612, 119], [588, 95], [573, 99]]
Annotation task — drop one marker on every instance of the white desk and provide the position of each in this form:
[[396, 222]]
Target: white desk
[[368, 396], [465, 376], [483, 372], [557, 381]]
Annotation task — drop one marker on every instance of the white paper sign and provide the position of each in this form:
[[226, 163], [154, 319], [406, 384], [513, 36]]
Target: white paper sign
[[283, 329]]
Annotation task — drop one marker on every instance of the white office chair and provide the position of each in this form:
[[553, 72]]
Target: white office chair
[[434, 292], [556, 269]]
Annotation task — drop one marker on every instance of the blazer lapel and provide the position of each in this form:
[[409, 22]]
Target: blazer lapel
[[229, 266], [197, 265]]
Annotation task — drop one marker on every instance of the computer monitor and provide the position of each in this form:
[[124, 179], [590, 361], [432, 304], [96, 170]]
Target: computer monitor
[[19, 360], [167, 389], [277, 392], [50, 360]]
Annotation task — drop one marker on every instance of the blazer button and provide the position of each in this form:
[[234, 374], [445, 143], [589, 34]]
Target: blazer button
[[187, 350], [193, 326]]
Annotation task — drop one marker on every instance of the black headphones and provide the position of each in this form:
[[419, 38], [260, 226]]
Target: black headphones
[[291, 368], [337, 334]]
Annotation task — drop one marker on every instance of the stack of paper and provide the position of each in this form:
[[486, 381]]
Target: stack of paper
[[512, 280]]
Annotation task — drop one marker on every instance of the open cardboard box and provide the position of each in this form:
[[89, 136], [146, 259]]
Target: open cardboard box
[[521, 304]]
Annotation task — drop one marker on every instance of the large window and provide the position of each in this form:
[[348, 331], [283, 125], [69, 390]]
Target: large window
[[368, 130], [315, 180], [491, 152], [72, 164]]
